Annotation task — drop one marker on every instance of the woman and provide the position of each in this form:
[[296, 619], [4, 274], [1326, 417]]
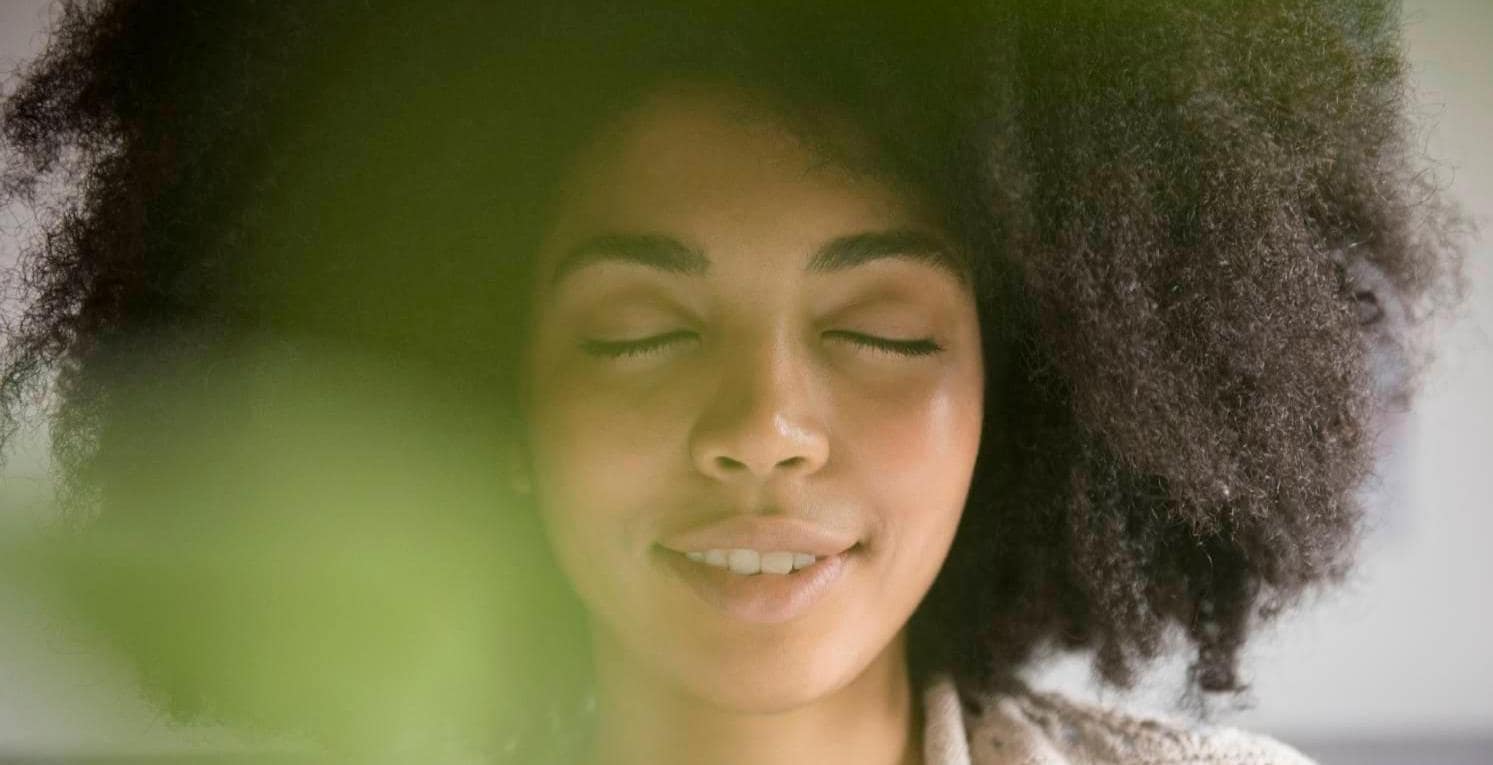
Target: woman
[[714, 384]]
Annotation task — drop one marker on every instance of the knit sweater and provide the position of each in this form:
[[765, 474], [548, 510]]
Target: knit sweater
[[1032, 728]]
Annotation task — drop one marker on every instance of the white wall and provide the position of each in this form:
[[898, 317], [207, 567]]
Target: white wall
[[1403, 651]]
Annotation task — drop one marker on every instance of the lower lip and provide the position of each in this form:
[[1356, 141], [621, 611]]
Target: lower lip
[[759, 598]]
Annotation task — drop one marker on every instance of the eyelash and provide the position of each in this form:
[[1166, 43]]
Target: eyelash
[[617, 349]]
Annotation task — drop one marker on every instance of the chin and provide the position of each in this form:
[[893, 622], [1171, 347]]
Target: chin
[[759, 694], [767, 679]]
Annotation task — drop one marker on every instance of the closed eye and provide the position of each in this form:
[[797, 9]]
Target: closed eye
[[618, 349], [917, 347]]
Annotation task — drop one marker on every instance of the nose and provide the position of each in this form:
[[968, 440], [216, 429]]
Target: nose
[[763, 421]]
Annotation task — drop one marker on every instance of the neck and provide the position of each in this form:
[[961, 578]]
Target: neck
[[874, 720]]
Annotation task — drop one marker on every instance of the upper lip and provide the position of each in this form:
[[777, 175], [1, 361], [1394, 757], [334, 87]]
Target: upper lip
[[761, 533]]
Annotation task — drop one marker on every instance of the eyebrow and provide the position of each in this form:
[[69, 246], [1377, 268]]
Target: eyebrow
[[664, 253]]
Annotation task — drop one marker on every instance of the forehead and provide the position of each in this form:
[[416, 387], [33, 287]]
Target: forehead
[[721, 170]]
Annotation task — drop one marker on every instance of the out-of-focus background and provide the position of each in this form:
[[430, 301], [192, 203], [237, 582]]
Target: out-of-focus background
[[1396, 667]]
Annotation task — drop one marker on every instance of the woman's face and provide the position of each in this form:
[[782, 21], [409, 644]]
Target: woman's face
[[744, 355]]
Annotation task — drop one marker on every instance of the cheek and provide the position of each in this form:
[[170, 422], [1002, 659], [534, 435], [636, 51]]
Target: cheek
[[925, 433], [913, 457], [597, 466]]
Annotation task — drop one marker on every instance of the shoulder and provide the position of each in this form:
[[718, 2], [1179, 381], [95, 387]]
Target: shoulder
[[1038, 728]]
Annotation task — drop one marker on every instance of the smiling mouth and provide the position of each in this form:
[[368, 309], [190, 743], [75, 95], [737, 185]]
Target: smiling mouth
[[748, 562], [758, 596]]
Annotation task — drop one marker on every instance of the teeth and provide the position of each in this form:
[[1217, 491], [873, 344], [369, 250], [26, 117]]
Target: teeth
[[749, 562], [777, 562], [745, 561]]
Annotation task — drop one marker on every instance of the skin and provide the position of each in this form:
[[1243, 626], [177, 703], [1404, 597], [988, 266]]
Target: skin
[[763, 396]]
